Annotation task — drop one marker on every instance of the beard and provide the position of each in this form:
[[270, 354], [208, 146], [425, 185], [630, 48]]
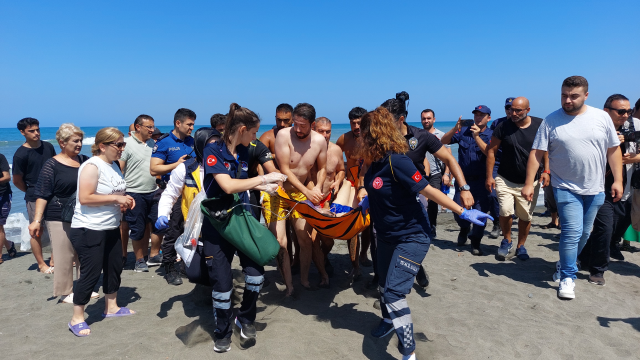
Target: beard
[[572, 108], [302, 136]]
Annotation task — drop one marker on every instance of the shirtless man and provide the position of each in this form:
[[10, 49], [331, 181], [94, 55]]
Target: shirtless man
[[335, 175], [283, 120], [297, 150], [347, 142]]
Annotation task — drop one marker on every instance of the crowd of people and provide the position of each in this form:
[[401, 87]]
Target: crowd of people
[[140, 188]]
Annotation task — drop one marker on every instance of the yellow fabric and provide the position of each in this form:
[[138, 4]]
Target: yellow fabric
[[344, 227], [190, 192], [275, 209]]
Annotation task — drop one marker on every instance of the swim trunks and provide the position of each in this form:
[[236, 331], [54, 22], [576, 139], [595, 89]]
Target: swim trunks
[[275, 209], [328, 198], [339, 209]]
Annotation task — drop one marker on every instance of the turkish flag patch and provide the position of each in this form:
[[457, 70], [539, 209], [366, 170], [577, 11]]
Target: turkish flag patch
[[211, 160], [417, 177]]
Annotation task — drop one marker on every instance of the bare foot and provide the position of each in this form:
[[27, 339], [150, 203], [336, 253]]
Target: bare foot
[[289, 291], [45, 269], [115, 310], [324, 284]]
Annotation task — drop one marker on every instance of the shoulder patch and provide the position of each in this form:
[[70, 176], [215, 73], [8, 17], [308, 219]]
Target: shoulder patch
[[211, 160], [245, 166], [417, 176], [155, 148], [413, 143], [226, 164], [377, 183]]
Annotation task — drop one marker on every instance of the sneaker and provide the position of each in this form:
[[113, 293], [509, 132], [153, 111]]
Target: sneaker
[[422, 278], [462, 237], [247, 331], [615, 253], [155, 260], [566, 289], [383, 329], [477, 251], [172, 275], [521, 253], [12, 250], [597, 279], [495, 232], [222, 345], [556, 275], [505, 248], [140, 266]]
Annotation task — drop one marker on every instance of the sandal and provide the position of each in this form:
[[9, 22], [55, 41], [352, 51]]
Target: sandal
[[12, 251], [49, 270], [550, 226], [122, 312], [75, 329]]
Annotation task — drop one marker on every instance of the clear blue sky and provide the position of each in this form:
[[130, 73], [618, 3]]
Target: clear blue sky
[[104, 63]]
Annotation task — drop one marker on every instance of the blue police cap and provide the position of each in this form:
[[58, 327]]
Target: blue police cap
[[509, 101], [483, 109]]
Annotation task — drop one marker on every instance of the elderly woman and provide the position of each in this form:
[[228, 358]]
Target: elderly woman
[[55, 190], [95, 234]]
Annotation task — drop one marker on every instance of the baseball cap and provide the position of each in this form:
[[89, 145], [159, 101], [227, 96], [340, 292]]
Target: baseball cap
[[509, 101], [483, 109], [157, 131]]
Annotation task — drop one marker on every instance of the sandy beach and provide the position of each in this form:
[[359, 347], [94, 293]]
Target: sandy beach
[[474, 308]]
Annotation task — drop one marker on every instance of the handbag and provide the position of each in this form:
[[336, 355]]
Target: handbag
[[68, 204]]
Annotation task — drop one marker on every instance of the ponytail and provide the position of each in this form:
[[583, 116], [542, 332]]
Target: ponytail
[[238, 116]]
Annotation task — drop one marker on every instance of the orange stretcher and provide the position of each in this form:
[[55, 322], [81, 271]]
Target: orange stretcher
[[344, 227]]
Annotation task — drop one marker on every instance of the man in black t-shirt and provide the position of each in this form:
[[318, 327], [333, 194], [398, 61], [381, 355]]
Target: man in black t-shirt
[[514, 138], [27, 163]]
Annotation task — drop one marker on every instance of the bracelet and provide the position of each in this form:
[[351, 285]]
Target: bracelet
[[547, 172], [448, 174]]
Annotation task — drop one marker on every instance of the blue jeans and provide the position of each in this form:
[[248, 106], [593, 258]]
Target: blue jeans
[[577, 213]]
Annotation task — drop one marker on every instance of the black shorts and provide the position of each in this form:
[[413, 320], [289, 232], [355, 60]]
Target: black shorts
[[5, 209], [141, 214]]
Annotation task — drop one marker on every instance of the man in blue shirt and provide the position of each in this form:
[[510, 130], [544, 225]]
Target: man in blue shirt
[[171, 150], [472, 149]]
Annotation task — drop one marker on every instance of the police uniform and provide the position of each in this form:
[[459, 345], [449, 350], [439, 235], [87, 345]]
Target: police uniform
[[170, 149], [403, 237], [219, 253], [473, 163]]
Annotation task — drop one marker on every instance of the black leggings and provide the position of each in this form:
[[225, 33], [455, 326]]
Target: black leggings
[[99, 251], [176, 228]]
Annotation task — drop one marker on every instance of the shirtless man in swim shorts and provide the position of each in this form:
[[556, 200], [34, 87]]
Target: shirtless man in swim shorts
[[283, 120], [297, 150], [347, 142], [335, 175]]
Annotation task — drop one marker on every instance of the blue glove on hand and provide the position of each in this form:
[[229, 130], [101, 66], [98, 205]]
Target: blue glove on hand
[[475, 216], [162, 223], [365, 205]]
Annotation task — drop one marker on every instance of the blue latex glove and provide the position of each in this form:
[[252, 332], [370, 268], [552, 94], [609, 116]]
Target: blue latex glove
[[365, 205], [162, 223], [475, 216]]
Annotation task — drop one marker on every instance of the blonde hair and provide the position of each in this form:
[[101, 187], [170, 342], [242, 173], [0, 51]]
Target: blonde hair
[[66, 131], [105, 135]]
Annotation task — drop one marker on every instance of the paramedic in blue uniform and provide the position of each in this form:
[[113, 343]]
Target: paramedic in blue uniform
[[226, 167], [402, 226], [472, 156], [171, 150]]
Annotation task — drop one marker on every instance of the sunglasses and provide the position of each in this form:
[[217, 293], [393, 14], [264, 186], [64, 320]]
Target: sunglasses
[[622, 111], [518, 111], [119, 145]]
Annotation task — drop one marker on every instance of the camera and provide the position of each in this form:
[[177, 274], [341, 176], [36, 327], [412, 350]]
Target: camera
[[630, 136]]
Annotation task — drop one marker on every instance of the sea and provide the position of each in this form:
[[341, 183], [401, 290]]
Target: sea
[[11, 140]]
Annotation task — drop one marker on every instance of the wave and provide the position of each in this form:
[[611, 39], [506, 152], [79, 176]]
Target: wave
[[88, 141]]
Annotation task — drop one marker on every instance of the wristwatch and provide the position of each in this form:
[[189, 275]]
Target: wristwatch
[[465, 187]]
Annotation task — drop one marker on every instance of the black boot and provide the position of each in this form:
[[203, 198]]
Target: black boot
[[172, 275], [422, 278], [462, 236]]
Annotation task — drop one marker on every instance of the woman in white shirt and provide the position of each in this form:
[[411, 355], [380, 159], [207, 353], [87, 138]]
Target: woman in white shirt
[[95, 234]]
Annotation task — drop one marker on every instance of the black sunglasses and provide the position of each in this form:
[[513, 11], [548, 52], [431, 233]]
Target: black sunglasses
[[119, 145], [622, 111]]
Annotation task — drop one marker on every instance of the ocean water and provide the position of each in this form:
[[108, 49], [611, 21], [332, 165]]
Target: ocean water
[[11, 140]]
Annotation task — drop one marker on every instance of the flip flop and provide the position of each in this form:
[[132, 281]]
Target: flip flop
[[122, 312], [75, 329], [549, 226], [49, 270], [12, 251]]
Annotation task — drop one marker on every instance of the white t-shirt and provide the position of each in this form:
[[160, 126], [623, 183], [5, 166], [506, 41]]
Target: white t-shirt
[[110, 182], [174, 189], [577, 147], [436, 166]]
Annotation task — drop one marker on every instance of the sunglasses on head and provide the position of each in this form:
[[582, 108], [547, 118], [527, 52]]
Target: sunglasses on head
[[119, 145], [622, 111]]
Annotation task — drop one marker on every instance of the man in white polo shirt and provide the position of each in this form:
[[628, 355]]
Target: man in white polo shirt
[[142, 187], [580, 139]]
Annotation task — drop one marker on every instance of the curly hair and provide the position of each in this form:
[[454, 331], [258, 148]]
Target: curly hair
[[379, 136]]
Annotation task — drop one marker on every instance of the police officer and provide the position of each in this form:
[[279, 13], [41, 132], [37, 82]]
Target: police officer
[[472, 149], [171, 150], [403, 232], [226, 166], [420, 142]]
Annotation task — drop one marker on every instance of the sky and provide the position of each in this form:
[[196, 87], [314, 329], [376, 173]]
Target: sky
[[100, 63]]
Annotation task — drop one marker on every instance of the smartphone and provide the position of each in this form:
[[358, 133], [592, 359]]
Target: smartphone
[[467, 122]]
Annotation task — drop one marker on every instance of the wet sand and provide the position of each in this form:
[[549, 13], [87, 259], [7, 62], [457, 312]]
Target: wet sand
[[474, 308]]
